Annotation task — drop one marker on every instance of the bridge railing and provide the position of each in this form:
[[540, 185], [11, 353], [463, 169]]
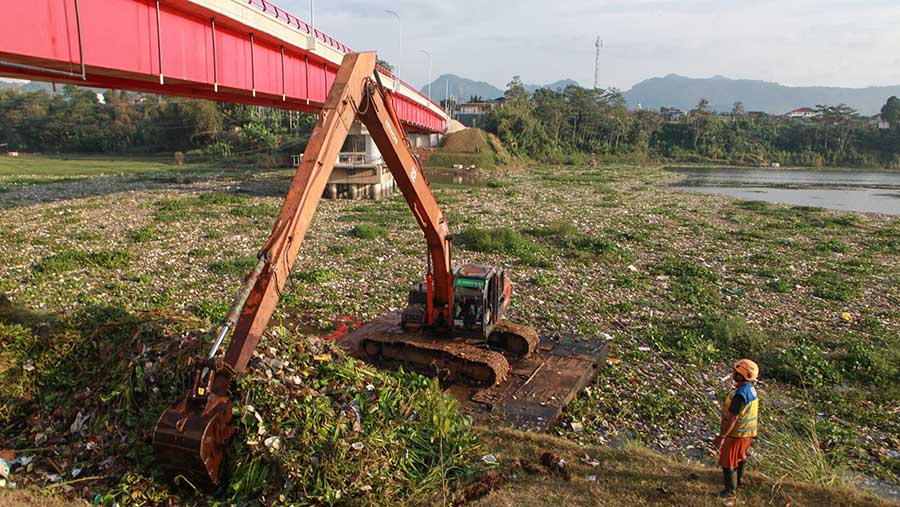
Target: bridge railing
[[273, 10]]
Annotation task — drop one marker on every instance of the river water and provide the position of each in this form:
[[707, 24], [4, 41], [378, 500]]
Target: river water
[[864, 191]]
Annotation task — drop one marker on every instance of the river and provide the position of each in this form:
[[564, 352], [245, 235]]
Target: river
[[846, 190]]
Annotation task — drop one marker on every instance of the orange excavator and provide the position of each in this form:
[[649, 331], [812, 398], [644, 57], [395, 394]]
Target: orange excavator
[[453, 325]]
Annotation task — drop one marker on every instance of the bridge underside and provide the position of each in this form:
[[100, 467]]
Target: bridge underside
[[227, 51]]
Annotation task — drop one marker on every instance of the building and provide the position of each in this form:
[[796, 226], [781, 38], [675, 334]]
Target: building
[[360, 171], [474, 114], [672, 114], [879, 122], [804, 113]]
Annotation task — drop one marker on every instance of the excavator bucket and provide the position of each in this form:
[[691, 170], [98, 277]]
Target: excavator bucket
[[191, 436]]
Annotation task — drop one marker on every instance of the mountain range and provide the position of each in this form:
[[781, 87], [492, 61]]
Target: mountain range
[[669, 91], [773, 98], [465, 88], [685, 92]]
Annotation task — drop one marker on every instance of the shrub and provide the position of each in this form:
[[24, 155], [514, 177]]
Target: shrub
[[71, 260], [804, 363], [314, 276], [236, 267], [141, 234], [570, 239], [869, 365], [213, 310], [367, 231], [832, 246], [501, 240], [829, 285]]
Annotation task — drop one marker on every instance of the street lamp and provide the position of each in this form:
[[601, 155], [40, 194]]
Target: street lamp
[[399, 47], [426, 53]]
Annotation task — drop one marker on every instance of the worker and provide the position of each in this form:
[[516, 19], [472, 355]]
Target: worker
[[739, 426], [470, 313]]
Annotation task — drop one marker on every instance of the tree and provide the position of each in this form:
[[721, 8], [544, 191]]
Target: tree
[[516, 95], [702, 107], [890, 112], [738, 109], [384, 64]]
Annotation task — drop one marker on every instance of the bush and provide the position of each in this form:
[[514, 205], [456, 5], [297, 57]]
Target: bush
[[870, 365], [218, 150], [142, 234], [829, 285], [213, 310], [570, 239], [235, 267], [71, 260], [314, 276], [367, 231], [804, 363], [504, 241]]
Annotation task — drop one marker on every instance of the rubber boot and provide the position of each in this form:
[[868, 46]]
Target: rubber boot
[[740, 472], [729, 478]]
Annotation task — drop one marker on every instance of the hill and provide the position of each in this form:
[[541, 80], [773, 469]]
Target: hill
[[773, 98], [557, 86], [461, 87], [465, 88]]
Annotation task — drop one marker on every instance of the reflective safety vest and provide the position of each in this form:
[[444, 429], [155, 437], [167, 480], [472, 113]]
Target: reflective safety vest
[[747, 420]]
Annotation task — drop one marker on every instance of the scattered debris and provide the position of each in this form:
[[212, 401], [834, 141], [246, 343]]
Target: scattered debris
[[556, 465]]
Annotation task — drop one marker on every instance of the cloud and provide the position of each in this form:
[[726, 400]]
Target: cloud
[[797, 42]]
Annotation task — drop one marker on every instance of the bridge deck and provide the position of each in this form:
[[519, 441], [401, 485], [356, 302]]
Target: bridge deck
[[243, 51]]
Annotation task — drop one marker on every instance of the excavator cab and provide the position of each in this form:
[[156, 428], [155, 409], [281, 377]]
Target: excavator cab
[[476, 300], [480, 298]]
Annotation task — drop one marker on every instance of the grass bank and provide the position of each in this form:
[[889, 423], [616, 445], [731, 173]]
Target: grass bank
[[683, 283]]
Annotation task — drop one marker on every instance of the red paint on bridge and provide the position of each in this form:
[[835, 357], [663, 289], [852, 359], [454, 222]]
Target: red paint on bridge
[[194, 51]]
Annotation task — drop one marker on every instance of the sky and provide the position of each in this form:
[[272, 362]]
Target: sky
[[852, 43]]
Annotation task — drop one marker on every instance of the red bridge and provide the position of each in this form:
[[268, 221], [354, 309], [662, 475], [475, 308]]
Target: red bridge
[[243, 51]]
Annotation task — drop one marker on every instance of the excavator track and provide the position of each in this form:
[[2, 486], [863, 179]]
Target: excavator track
[[452, 361], [517, 340]]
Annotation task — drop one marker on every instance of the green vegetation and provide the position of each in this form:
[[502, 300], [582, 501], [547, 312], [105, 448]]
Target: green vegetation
[[469, 147], [572, 241], [71, 260], [238, 266], [571, 125], [502, 240], [406, 443], [32, 169], [75, 122], [683, 284], [142, 234], [830, 285], [367, 231]]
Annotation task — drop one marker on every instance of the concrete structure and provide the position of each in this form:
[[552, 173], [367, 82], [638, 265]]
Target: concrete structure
[[672, 114], [474, 114], [879, 122], [803, 113], [360, 171]]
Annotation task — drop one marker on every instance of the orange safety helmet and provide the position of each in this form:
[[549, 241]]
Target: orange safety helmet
[[747, 368]]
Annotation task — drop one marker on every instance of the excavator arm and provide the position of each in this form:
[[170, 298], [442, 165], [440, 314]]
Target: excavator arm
[[191, 435]]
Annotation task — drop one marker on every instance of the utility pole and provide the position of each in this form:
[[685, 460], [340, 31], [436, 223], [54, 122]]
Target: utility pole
[[447, 96], [426, 53], [598, 45], [399, 47]]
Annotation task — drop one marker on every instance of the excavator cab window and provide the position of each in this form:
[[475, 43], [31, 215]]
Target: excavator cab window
[[468, 304]]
